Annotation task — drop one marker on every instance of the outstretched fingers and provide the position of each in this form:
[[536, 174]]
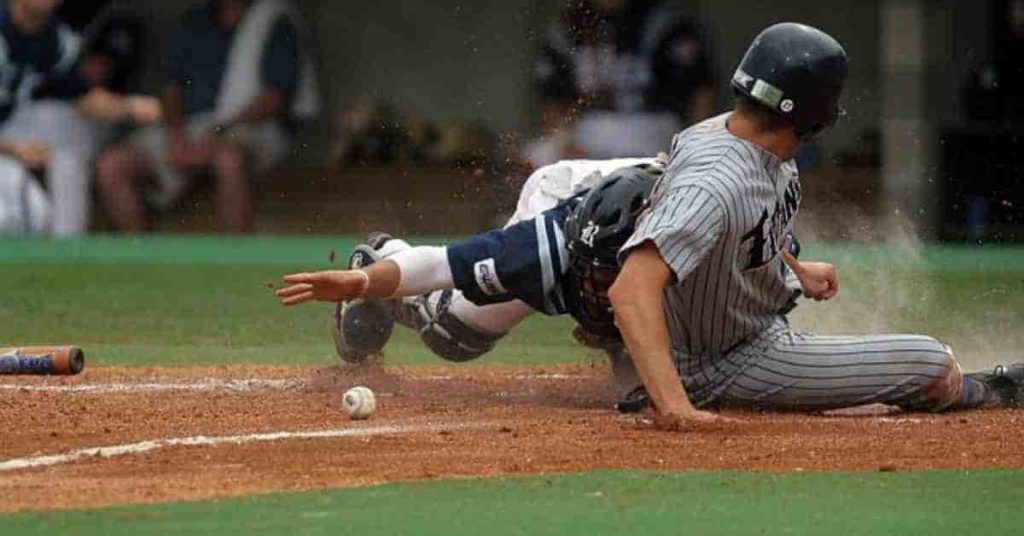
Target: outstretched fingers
[[303, 277], [292, 290], [296, 299]]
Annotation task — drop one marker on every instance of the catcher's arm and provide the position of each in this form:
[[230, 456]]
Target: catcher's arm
[[415, 271]]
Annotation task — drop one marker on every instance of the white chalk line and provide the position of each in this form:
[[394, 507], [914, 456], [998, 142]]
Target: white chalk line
[[212, 384], [550, 376], [142, 447], [202, 385]]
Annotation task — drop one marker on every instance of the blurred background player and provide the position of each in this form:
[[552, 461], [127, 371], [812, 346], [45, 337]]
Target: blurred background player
[[238, 78], [618, 78], [41, 59]]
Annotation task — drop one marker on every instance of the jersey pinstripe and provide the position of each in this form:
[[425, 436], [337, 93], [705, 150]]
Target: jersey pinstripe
[[718, 217]]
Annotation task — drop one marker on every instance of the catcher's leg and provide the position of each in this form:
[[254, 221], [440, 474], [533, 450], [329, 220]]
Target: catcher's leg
[[454, 328], [784, 369]]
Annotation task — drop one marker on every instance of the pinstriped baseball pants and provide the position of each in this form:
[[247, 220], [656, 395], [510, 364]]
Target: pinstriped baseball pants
[[786, 369]]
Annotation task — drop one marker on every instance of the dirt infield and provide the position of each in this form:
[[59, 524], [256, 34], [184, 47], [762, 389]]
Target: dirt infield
[[191, 433]]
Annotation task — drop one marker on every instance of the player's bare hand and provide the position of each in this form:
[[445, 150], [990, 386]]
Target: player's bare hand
[[33, 154], [144, 110], [819, 280], [330, 286]]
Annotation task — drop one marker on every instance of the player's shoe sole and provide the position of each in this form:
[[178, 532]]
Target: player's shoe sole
[[361, 328], [1007, 382]]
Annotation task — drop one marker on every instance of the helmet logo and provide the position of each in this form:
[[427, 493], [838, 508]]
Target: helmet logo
[[589, 233], [786, 105], [766, 93], [742, 78]]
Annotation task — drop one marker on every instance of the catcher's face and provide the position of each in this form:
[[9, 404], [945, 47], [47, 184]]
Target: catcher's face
[[595, 289]]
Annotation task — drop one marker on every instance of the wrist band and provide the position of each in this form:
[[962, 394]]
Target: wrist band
[[366, 283]]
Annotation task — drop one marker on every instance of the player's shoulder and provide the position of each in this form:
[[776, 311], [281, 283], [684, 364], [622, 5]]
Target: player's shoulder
[[704, 145], [709, 157]]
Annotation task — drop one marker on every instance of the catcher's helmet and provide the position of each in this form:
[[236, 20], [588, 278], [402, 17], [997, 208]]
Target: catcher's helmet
[[797, 72], [598, 226]]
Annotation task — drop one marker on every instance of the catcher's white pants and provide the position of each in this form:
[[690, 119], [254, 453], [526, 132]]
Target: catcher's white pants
[[73, 142]]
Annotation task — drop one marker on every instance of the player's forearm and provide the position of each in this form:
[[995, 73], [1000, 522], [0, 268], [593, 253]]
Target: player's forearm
[[412, 272], [422, 269], [640, 317], [637, 299], [382, 279], [407, 273]]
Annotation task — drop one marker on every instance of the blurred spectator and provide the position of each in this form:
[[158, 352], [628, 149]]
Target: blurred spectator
[[630, 72], [110, 39], [238, 80], [113, 40], [41, 60]]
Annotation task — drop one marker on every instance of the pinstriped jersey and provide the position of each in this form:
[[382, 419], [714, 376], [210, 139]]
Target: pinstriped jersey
[[719, 217]]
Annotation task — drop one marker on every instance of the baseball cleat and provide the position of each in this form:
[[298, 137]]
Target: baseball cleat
[[361, 328], [1006, 382]]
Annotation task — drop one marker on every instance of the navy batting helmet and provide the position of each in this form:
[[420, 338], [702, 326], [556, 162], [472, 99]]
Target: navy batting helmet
[[798, 73]]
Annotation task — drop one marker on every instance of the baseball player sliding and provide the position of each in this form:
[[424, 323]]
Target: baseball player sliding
[[706, 280]]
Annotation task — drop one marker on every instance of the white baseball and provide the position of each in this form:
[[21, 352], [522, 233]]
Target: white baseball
[[359, 402]]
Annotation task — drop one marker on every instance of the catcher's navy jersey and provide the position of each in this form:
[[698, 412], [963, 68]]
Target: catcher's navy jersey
[[526, 261], [28, 62]]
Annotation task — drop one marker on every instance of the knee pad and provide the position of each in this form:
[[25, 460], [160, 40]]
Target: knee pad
[[448, 336]]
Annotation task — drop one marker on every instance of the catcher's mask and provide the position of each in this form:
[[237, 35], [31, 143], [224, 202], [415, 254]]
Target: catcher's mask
[[597, 228]]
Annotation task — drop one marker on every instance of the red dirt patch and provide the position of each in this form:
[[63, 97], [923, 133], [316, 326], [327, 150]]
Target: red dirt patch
[[530, 420]]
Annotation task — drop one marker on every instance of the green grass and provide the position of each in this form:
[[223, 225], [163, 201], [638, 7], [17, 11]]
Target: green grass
[[182, 301], [721, 503], [198, 301]]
